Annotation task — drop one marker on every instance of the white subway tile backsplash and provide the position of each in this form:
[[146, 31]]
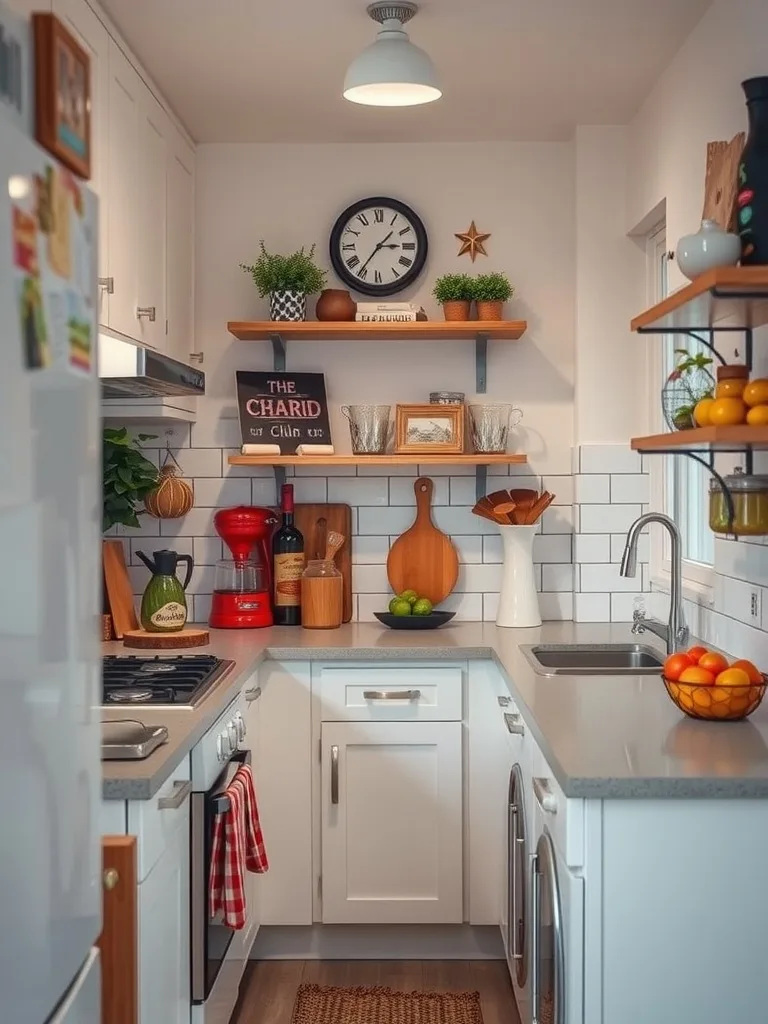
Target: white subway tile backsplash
[[478, 578], [623, 606], [558, 519], [217, 433], [446, 469], [607, 518], [370, 579], [742, 561], [359, 491], [207, 550], [202, 580], [557, 607], [591, 607], [552, 547], [249, 471], [470, 549], [561, 487], [604, 577], [557, 578], [490, 607], [401, 491], [468, 607], [592, 489], [197, 462], [330, 471], [201, 604], [367, 604], [222, 493], [198, 522], [391, 520], [618, 543], [592, 547], [492, 550], [628, 488], [462, 491], [460, 520], [310, 489], [609, 458], [264, 491], [370, 550]]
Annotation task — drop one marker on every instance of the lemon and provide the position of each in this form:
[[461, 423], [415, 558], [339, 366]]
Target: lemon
[[701, 412], [400, 607], [410, 596], [422, 607], [727, 412], [758, 416]]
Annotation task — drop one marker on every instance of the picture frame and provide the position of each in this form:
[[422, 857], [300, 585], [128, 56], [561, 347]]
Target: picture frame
[[62, 94], [429, 429]]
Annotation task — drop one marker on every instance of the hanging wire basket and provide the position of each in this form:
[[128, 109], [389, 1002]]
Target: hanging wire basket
[[688, 384]]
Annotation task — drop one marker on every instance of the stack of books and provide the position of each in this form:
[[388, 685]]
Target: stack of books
[[389, 312]]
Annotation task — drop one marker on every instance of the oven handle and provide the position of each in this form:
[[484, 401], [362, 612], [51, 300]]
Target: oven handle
[[219, 801]]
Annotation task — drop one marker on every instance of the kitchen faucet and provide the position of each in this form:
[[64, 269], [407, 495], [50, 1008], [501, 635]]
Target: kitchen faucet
[[675, 632]]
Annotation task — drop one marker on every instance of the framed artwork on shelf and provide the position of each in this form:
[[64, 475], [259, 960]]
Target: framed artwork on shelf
[[62, 94], [429, 429]]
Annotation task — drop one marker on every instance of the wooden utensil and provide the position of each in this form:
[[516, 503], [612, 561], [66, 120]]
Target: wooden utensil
[[496, 497], [118, 587], [316, 523], [534, 514], [166, 641], [484, 513], [332, 544], [423, 558]]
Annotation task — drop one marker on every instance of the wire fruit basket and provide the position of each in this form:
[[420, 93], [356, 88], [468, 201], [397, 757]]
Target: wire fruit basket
[[716, 703], [686, 386]]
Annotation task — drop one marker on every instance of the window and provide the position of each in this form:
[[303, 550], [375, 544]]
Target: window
[[679, 485]]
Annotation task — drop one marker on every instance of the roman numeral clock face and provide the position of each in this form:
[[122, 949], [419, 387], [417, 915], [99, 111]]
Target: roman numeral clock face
[[378, 246]]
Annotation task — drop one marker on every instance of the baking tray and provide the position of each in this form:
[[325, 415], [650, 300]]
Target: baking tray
[[130, 740]]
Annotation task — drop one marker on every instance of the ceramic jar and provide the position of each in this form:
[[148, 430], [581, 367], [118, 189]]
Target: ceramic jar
[[290, 306], [335, 304], [710, 247], [753, 176]]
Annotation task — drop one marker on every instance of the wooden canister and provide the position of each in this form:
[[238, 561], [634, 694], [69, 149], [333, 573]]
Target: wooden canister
[[322, 595]]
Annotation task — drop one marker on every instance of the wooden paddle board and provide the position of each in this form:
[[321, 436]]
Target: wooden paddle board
[[423, 558], [315, 522]]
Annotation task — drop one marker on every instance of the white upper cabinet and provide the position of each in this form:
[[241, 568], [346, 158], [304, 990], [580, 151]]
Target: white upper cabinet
[[150, 214], [180, 246]]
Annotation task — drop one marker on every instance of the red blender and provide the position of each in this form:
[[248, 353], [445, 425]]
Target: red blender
[[242, 585]]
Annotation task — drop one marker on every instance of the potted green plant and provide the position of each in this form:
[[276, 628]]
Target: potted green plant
[[491, 292], [127, 477], [454, 292], [287, 280]]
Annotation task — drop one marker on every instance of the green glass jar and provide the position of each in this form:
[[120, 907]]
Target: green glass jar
[[750, 505]]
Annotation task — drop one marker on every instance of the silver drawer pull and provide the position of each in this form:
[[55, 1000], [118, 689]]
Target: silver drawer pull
[[514, 724], [147, 311], [504, 702], [181, 791], [546, 798], [107, 284], [334, 774], [391, 694], [253, 694]]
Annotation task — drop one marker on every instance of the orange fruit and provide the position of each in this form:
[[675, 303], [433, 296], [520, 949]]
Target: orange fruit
[[694, 674], [727, 412], [701, 412], [675, 664], [758, 416], [701, 699], [755, 676], [684, 697], [756, 392], [733, 677], [694, 653], [713, 662]]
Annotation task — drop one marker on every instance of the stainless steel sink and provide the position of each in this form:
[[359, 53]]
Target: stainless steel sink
[[593, 659]]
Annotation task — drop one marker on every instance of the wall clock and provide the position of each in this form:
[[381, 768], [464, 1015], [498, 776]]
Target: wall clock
[[378, 246]]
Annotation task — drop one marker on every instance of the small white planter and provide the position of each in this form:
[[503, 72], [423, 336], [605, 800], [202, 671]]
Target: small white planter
[[518, 600]]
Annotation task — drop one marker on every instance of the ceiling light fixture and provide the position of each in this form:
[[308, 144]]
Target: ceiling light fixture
[[392, 71]]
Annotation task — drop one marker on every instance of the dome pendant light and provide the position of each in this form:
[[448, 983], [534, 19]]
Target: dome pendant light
[[392, 71]]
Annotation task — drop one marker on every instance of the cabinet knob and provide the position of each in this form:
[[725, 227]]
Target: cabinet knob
[[147, 311], [108, 284], [111, 878]]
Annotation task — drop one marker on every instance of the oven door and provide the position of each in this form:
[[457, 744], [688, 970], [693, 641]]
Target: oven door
[[210, 938]]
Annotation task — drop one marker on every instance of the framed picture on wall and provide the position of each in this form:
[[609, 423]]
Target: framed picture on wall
[[430, 429], [62, 94]]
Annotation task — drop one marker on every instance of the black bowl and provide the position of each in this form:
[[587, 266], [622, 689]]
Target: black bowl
[[431, 621]]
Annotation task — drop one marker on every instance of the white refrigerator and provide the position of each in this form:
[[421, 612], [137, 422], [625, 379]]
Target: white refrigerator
[[50, 591]]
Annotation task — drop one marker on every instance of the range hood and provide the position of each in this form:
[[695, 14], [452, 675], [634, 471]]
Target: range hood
[[129, 370]]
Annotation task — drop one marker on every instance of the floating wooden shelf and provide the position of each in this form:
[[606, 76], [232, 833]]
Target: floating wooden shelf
[[376, 460], [419, 330], [727, 298], [732, 439]]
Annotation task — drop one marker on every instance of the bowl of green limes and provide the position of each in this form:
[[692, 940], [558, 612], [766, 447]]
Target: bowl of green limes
[[409, 611]]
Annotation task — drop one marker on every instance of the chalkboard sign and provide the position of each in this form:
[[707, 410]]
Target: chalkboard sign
[[288, 409]]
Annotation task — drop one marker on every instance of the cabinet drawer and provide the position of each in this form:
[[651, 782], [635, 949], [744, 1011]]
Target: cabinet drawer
[[390, 693], [563, 817], [154, 825]]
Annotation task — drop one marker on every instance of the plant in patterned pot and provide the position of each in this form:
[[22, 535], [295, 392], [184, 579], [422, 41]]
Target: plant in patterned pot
[[287, 280]]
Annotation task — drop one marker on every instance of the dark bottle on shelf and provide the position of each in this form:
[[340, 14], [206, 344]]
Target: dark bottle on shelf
[[287, 564]]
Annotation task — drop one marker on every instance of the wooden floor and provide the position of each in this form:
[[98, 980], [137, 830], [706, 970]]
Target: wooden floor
[[268, 990]]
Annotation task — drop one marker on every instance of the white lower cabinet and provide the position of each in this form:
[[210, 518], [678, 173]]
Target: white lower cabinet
[[164, 928], [391, 798]]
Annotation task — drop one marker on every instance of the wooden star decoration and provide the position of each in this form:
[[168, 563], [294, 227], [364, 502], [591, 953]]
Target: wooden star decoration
[[472, 242]]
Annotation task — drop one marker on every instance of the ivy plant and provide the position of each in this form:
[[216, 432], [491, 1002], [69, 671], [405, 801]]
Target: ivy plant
[[128, 476], [297, 272]]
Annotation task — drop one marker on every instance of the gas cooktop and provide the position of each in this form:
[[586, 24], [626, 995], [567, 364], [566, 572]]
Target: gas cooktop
[[180, 681]]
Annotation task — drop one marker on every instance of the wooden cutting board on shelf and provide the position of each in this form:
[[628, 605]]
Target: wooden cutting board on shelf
[[423, 558], [315, 521], [118, 586]]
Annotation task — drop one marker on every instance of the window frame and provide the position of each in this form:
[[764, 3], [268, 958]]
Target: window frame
[[698, 577]]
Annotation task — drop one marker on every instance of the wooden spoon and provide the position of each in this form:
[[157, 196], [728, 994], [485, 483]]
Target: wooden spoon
[[497, 497], [539, 508], [484, 513]]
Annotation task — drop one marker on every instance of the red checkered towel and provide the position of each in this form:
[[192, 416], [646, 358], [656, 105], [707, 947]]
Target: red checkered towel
[[238, 845]]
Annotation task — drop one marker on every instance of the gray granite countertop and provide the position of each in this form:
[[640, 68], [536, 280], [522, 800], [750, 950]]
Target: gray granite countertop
[[603, 736]]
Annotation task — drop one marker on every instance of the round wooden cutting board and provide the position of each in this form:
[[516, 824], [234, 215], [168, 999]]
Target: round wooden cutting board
[[166, 641], [423, 558]]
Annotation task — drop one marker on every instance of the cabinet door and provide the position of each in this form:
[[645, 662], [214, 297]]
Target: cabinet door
[[118, 941], [80, 20], [180, 270], [253, 882], [123, 190], [164, 932], [392, 823], [150, 213]]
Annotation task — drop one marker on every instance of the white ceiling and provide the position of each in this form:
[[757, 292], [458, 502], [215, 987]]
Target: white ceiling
[[272, 70]]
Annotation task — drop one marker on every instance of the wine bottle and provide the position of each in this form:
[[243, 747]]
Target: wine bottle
[[287, 564]]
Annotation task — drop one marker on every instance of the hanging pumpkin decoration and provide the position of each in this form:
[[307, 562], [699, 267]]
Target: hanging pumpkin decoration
[[173, 497]]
